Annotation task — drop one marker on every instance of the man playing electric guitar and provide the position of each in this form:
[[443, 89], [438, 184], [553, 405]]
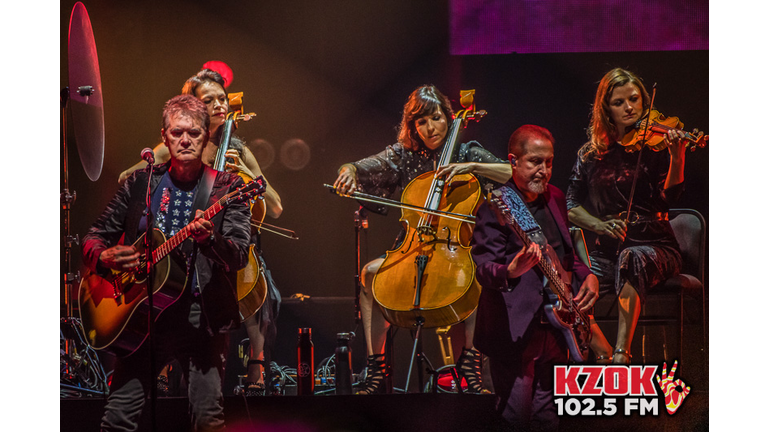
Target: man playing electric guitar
[[512, 327], [192, 328]]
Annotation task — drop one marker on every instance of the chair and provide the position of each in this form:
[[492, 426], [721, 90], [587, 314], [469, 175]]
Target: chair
[[690, 230]]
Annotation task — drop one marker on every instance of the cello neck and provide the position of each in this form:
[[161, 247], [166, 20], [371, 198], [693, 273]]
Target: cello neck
[[226, 135], [236, 112], [449, 150]]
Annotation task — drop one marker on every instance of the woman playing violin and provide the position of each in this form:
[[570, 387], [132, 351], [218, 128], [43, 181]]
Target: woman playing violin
[[208, 86], [423, 132], [635, 250]]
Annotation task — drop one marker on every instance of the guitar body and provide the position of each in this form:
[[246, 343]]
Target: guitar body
[[251, 286], [119, 323], [115, 309], [577, 334]]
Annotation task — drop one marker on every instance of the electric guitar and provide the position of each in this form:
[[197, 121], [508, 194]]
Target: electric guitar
[[561, 311], [114, 309]]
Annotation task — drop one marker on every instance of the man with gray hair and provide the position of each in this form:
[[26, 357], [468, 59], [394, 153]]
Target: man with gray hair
[[193, 328]]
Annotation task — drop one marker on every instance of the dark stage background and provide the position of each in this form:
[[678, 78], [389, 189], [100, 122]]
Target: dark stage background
[[335, 75]]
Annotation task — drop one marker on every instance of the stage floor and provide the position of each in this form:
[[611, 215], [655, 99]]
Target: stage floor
[[375, 413]]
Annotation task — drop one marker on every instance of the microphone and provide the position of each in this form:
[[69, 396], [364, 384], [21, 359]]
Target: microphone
[[148, 155]]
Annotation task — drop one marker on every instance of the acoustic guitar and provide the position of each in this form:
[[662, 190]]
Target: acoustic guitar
[[114, 309], [561, 312]]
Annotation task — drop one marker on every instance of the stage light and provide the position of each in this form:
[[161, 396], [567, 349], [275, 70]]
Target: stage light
[[222, 68]]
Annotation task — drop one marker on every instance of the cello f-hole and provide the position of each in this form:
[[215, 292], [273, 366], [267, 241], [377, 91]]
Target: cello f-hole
[[451, 247], [410, 243]]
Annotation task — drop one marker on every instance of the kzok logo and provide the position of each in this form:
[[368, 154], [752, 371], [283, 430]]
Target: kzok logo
[[673, 397], [577, 386]]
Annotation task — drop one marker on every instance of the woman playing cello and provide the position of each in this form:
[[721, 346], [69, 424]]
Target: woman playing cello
[[423, 132]]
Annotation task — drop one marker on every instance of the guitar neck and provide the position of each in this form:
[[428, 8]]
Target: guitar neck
[[172, 243], [544, 265]]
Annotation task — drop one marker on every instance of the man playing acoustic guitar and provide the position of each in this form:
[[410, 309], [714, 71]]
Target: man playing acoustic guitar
[[200, 302]]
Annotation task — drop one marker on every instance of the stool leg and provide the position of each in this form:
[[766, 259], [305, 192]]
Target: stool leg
[[682, 323]]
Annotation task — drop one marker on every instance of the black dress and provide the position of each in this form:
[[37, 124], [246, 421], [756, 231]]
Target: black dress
[[602, 185], [384, 173]]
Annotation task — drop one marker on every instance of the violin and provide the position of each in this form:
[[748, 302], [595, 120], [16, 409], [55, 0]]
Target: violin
[[429, 280], [651, 131]]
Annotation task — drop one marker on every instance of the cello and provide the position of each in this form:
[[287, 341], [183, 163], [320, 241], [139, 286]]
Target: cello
[[429, 280], [251, 281]]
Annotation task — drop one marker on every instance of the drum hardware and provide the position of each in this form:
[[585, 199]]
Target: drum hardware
[[81, 371]]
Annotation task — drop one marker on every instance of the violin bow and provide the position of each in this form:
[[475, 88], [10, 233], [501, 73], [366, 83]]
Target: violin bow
[[392, 203], [637, 167], [274, 229]]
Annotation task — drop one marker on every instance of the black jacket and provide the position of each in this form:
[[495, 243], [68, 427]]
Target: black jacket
[[507, 307], [216, 264]]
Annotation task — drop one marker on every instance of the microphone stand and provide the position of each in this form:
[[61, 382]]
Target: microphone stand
[[361, 223], [150, 291]]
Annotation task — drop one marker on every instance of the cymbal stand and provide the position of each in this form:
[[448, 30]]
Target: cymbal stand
[[83, 367], [67, 199], [81, 371]]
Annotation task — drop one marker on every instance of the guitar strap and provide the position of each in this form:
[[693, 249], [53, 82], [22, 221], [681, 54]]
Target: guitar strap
[[204, 189], [137, 206], [202, 197], [512, 199], [524, 218]]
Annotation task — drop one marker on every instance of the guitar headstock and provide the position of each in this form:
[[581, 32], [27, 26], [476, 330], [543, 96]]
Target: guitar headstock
[[248, 191], [500, 209]]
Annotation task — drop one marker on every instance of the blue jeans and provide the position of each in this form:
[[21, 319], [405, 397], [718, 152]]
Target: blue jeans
[[202, 357]]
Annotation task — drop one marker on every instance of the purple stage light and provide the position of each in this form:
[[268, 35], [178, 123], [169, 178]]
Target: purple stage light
[[556, 26]]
